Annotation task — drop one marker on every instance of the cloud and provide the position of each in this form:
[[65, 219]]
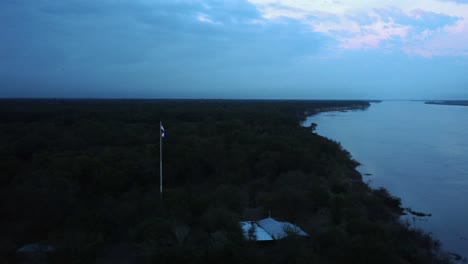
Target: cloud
[[228, 49], [143, 45], [205, 19], [422, 27]]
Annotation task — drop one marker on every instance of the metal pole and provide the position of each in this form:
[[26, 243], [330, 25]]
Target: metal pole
[[160, 160]]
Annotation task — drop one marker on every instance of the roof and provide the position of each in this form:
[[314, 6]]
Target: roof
[[278, 229], [270, 229], [35, 248], [260, 234]]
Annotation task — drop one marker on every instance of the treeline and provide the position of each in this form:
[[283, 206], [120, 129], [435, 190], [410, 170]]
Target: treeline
[[83, 176], [450, 102]]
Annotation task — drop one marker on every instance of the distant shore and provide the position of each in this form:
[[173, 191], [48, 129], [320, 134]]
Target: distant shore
[[461, 103], [357, 106]]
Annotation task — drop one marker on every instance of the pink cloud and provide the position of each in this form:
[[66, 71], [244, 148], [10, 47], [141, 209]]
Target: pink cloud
[[343, 20]]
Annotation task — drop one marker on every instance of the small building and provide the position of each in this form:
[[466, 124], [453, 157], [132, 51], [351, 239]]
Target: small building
[[34, 253], [253, 232], [269, 229]]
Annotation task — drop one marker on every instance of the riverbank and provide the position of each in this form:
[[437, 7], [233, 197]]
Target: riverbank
[[333, 106], [459, 103], [424, 165], [354, 106]]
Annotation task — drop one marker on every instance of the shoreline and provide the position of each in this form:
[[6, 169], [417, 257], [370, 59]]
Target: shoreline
[[453, 103], [358, 106], [456, 257], [340, 109]]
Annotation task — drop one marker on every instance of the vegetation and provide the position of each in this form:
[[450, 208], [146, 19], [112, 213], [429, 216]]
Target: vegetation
[[454, 102], [416, 213], [83, 175]]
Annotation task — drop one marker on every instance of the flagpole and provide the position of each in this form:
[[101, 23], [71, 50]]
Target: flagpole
[[160, 160]]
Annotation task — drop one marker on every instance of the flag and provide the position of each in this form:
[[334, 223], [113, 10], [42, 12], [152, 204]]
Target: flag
[[162, 131]]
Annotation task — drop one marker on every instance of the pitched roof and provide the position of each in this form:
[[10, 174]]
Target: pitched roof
[[270, 229], [278, 229], [260, 234], [35, 248]]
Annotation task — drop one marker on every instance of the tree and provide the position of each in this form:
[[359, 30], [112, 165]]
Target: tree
[[252, 232]]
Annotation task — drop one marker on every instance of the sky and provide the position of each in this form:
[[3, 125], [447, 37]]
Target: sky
[[252, 49]]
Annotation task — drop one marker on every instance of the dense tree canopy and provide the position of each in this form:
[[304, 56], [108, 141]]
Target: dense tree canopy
[[83, 175]]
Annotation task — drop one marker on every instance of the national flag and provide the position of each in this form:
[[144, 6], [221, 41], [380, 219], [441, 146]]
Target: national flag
[[162, 131]]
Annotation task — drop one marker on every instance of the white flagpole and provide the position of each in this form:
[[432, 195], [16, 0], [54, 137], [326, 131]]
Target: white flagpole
[[160, 159]]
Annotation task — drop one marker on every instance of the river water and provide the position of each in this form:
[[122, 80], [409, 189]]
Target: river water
[[419, 152]]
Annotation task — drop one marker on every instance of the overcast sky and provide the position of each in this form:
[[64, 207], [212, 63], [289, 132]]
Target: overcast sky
[[282, 49]]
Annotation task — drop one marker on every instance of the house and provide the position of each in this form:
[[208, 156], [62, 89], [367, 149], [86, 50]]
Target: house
[[269, 229], [253, 232], [35, 253]]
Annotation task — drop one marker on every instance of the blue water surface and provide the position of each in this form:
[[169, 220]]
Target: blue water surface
[[419, 152]]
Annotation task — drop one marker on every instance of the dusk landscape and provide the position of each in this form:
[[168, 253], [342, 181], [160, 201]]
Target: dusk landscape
[[250, 131]]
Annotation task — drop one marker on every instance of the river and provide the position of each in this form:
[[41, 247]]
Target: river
[[419, 152]]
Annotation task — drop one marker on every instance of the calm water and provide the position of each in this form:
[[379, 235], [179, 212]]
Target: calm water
[[419, 153]]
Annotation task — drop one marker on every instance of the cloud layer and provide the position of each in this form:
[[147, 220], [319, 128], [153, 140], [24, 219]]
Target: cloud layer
[[143, 48], [233, 49], [422, 27]]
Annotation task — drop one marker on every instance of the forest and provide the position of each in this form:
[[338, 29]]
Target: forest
[[83, 176]]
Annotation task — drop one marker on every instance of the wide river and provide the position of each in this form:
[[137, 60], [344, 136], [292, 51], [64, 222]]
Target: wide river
[[419, 152]]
